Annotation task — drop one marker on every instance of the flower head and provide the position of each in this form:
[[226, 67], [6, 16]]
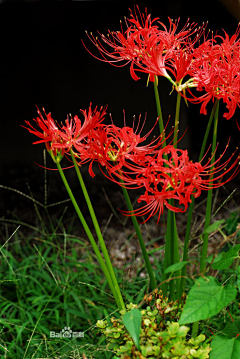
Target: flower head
[[215, 71], [171, 175], [60, 139], [125, 46], [148, 45], [114, 147]]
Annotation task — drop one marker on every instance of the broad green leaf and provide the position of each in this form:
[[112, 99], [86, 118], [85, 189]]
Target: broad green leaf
[[214, 226], [232, 329], [238, 278], [225, 259], [205, 299], [231, 223], [210, 258], [175, 267], [225, 348], [132, 322]]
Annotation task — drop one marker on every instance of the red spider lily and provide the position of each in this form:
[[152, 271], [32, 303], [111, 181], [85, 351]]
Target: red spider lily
[[75, 131], [147, 44], [154, 63], [125, 46], [172, 53], [113, 147], [215, 69], [49, 128], [171, 175], [50, 134], [60, 139]]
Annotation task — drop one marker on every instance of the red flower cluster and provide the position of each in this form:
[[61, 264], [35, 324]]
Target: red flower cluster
[[164, 173], [169, 174], [114, 148], [147, 44], [215, 69], [60, 139], [212, 67]]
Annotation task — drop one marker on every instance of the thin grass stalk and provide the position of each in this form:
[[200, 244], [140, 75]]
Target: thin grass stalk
[[44, 227], [191, 206], [153, 283], [209, 198], [99, 233], [91, 238], [38, 320]]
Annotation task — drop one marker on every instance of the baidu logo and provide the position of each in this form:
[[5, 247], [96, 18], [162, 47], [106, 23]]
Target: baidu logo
[[66, 332]]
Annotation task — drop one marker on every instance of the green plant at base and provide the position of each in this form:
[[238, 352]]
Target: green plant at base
[[160, 334]]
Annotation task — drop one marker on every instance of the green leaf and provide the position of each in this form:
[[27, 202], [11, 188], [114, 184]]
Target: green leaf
[[205, 299], [214, 226], [210, 258], [231, 223], [225, 259], [225, 348], [232, 329], [175, 267], [132, 322]]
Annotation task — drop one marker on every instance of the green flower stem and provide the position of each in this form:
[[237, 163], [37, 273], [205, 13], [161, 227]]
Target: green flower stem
[[176, 256], [161, 128], [91, 238], [167, 243], [209, 198], [167, 261], [177, 115], [174, 250], [153, 283], [99, 234], [159, 109], [215, 106], [171, 255], [171, 245], [186, 246], [190, 209]]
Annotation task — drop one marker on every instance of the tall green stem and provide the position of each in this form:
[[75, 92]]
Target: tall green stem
[[153, 283], [91, 238], [171, 235], [159, 109], [190, 209], [99, 233], [209, 198], [171, 255], [177, 115]]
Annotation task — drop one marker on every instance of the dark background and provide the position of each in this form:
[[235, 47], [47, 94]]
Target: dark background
[[44, 63]]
